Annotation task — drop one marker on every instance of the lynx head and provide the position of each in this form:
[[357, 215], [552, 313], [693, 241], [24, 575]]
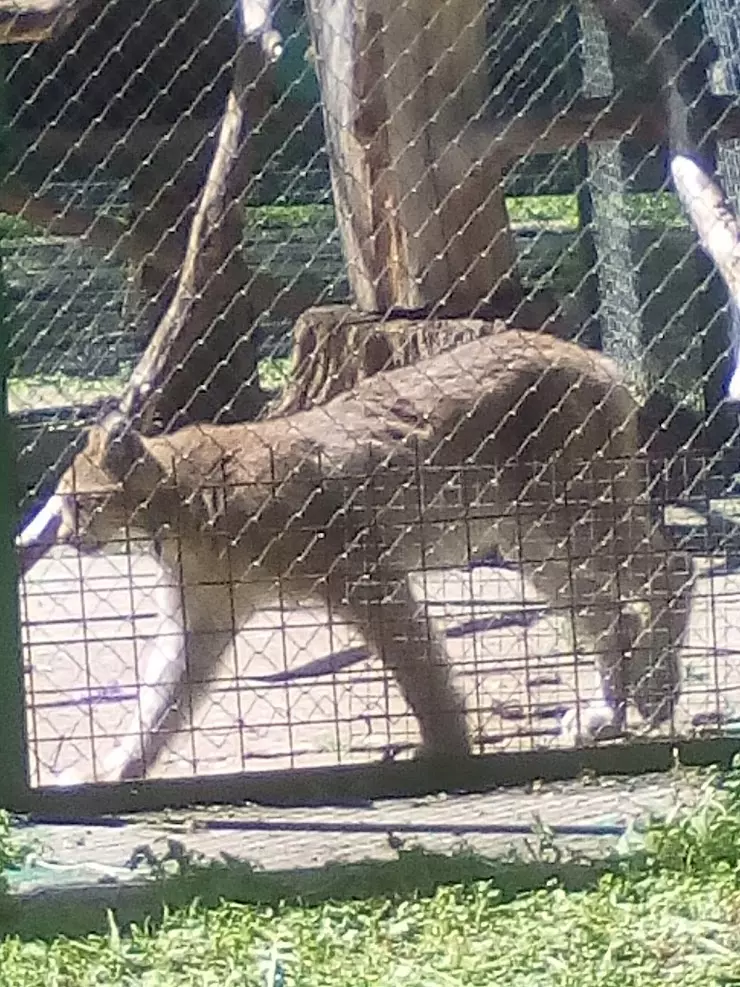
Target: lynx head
[[102, 495]]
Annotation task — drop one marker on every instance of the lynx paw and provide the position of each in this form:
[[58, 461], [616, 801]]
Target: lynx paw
[[68, 779], [585, 724]]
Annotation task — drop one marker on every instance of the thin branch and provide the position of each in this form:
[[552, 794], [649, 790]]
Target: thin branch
[[208, 249], [713, 219]]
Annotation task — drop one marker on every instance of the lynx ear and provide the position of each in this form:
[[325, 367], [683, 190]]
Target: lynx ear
[[123, 455]]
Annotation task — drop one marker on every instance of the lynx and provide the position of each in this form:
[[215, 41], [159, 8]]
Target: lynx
[[518, 441]]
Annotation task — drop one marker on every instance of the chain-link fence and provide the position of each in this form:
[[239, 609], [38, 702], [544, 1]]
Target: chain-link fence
[[332, 282]]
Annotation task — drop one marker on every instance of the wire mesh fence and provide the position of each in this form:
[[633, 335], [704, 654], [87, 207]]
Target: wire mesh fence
[[313, 535]]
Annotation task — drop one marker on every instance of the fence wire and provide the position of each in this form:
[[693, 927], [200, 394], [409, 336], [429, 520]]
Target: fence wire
[[273, 522]]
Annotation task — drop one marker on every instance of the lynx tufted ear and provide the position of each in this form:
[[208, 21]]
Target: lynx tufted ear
[[122, 454]]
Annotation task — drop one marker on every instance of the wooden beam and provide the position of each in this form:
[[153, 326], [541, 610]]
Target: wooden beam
[[587, 120], [94, 229], [516, 137], [124, 242], [165, 147]]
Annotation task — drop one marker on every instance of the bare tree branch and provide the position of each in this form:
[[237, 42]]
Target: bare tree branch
[[209, 298], [713, 219]]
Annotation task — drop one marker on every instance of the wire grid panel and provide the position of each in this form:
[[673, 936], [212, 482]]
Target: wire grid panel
[[90, 622], [299, 687]]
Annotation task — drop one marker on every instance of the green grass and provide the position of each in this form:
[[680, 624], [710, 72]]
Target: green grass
[[556, 211], [643, 208], [274, 373], [670, 915], [12, 851], [672, 929], [652, 209], [57, 390]]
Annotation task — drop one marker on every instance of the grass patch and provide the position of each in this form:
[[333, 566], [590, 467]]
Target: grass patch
[[274, 373], [59, 390], [673, 928], [655, 209], [12, 851], [669, 916], [650, 209], [259, 217], [14, 227]]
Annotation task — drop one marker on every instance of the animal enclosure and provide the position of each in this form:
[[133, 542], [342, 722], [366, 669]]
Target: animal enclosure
[[246, 242]]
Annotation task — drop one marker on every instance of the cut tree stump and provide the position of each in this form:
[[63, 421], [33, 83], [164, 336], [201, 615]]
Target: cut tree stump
[[335, 346]]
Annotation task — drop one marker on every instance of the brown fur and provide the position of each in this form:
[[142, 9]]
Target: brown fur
[[518, 440]]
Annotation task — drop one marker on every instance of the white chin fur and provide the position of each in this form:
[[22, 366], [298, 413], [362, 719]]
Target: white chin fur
[[38, 537], [687, 175], [45, 525]]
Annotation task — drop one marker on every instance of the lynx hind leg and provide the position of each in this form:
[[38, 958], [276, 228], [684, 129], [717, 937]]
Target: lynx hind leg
[[654, 582], [565, 548], [658, 579], [591, 605], [396, 628], [628, 595]]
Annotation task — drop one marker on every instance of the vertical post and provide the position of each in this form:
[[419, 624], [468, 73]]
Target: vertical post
[[422, 225], [13, 748], [621, 325], [590, 302]]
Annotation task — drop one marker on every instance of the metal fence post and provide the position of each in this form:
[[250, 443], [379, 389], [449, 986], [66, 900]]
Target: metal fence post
[[13, 750]]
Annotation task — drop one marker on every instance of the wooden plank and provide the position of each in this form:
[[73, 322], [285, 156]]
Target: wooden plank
[[421, 222]]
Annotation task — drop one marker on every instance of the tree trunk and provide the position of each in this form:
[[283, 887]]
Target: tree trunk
[[423, 227]]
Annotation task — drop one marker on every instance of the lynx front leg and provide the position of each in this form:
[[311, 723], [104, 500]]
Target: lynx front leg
[[395, 626], [177, 676], [176, 669], [163, 671], [600, 629]]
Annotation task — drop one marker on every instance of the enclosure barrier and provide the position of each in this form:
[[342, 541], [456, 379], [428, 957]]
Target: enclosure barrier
[[184, 229]]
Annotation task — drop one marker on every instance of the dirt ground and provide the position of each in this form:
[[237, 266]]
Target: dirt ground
[[85, 621]]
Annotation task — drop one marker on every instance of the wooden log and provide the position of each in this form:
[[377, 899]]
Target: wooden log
[[335, 346], [398, 81]]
